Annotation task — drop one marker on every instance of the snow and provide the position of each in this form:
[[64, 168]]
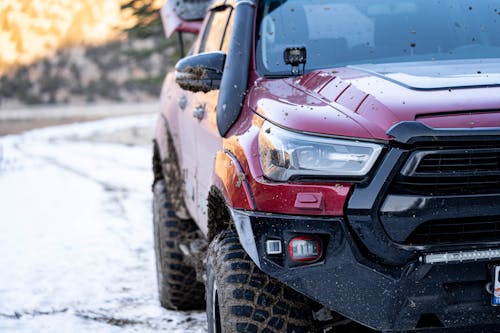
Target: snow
[[75, 231]]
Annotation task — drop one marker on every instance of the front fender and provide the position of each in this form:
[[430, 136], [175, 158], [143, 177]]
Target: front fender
[[232, 182]]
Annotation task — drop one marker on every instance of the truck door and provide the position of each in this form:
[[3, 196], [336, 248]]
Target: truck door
[[215, 38]]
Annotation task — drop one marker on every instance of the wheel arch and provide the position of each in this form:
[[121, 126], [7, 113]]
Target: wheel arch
[[219, 217], [156, 163], [230, 189], [160, 141], [166, 165]]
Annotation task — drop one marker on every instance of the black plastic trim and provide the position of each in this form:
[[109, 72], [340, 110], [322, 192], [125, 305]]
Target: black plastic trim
[[411, 167], [412, 132], [362, 214], [402, 214], [365, 219], [235, 79], [245, 180], [389, 299]]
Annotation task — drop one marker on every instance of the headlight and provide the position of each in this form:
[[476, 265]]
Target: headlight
[[284, 154]]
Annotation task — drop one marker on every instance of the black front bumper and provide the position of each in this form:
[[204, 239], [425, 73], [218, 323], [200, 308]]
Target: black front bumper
[[372, 269], [383, 297]]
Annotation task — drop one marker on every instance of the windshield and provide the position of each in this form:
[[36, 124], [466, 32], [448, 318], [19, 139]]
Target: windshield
[[339, 33]]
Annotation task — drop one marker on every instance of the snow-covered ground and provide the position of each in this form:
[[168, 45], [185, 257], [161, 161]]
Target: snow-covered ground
[[76, 250]]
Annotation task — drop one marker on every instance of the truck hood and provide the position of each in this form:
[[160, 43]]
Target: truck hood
[[364, 101]]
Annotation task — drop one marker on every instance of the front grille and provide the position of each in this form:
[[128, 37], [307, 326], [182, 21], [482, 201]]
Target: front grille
[[449, 172], [460, 162], [439, 178], [463, 230], [452, 186]]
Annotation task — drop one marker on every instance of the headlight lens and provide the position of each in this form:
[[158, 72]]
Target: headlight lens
[[284, 154]]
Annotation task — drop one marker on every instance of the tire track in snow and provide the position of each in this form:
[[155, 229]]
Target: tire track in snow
[[116, 290]]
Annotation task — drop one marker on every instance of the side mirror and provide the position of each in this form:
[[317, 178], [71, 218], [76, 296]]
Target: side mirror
[[183, 15], [200, 72]]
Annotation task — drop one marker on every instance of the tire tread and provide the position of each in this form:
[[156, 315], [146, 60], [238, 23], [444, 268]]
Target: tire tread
[[252, 301], [177, 285]]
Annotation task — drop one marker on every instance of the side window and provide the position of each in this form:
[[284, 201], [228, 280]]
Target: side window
[[216, 30], [227, 34]]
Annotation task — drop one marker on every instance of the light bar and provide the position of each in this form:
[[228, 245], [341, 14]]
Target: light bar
[[462, 256]]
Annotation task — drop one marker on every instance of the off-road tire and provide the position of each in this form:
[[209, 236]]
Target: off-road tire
[[177, 285], [248, 300]]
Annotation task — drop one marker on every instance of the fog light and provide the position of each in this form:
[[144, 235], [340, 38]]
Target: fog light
[[304, 248], [273, 246]]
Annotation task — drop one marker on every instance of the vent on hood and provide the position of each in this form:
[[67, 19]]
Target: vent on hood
[[436, 75]]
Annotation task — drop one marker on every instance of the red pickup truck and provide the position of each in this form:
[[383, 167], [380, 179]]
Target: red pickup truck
[[332, 165]]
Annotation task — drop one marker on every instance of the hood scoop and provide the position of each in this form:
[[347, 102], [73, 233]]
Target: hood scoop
[[438, 75]]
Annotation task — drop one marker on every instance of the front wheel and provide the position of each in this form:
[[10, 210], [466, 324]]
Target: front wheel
[[242, 298]]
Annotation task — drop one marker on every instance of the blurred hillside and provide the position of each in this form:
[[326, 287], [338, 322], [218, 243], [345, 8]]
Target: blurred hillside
[[34, 29], [122, 71], [81, 51]]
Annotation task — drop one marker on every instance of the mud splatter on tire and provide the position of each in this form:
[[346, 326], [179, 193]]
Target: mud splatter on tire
[[248, 299]]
